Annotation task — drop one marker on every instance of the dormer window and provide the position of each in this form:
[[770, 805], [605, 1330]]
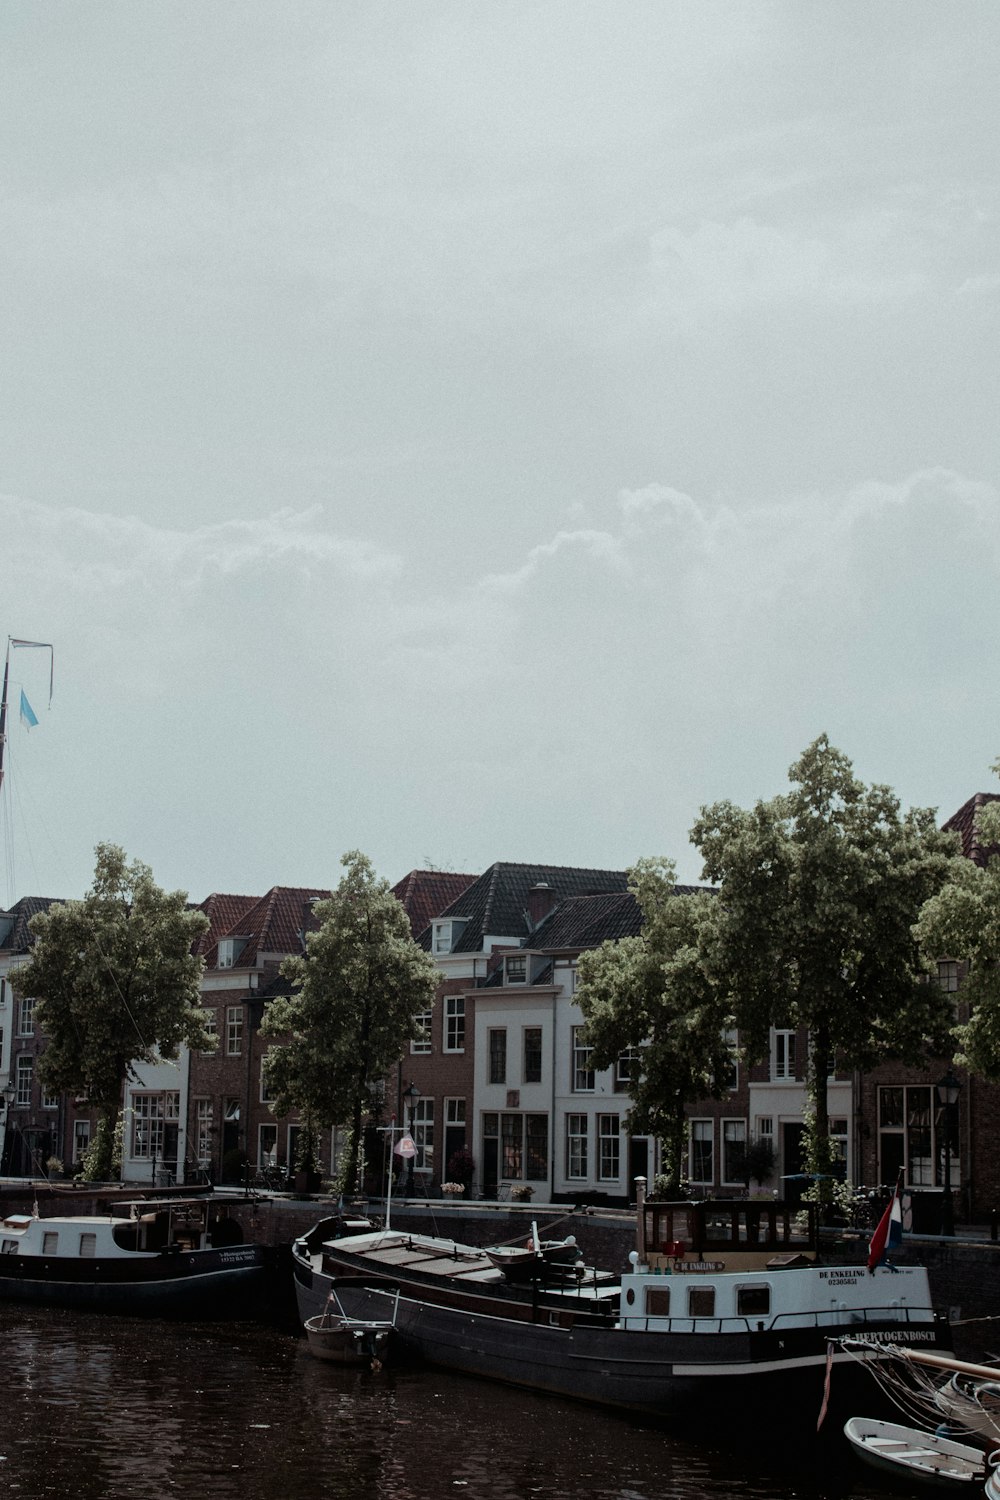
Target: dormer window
[[442, 937], [229, 951], [446, 933], [516, 968]]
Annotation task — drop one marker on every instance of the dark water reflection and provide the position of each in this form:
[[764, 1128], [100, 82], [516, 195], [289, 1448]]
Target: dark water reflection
[[100, 1408]]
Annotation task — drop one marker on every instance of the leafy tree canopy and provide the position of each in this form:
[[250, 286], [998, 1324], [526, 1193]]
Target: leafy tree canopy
[[655, 992], [115, 982], [356, 994], [962, 922], [819, 891]]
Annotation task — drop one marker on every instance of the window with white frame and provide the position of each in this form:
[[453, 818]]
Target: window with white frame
[[497, 1052], [627, 1069], [783, 1056], [3, 993], [421, 1039], [49, 1101], [234, 1030], [423, 1133], [22, 1080], [734, 1142], [454, 1023], [577, 1140], [608, 1148], [516, 968], [26, 1016], [701, 1155], [442, 937], [230, 950], [203, 1130], [147, 1126], [267, 1145], [583, 1073], [531, 1066], [81, 1140]]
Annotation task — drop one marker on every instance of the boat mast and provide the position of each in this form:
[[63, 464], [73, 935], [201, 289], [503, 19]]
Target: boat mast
[[11, 645]]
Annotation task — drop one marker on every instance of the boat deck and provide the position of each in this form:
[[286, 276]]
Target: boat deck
[[453, 1262]]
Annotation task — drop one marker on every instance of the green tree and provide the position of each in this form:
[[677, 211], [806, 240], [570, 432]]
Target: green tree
[[655, 992], [115, 983], [962, 922], [819, 891], [355, 997]]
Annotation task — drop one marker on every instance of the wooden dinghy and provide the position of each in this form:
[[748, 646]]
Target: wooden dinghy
[[911, 1454], [334, 1337]]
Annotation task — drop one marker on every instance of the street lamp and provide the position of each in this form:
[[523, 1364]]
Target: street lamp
[[412, 1094], [948, 1090]]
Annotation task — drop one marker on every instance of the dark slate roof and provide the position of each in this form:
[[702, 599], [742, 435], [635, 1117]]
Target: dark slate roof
[[425, 894], [497, 903], [963, 823], [273, 923], [587, 921], [19, 939]]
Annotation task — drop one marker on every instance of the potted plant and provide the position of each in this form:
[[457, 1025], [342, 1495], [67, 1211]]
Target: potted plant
[[521, 1192], [452, 1189]]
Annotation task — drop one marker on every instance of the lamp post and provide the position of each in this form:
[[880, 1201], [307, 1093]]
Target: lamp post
[[6, 1100], [412, 1094], [947, 1091]]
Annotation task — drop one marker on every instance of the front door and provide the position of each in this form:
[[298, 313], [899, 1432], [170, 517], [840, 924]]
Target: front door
[[792, 1160]]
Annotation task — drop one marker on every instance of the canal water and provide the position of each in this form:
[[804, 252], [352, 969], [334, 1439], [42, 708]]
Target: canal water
[[99, 1408]]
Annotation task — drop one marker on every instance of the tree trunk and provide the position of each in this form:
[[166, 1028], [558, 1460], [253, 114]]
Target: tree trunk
[[354, 1149], [673, 1154], [819, 1155], [100, 1157]]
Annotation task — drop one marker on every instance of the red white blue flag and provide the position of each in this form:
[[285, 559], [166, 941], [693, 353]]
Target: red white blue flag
[[889, 1230]]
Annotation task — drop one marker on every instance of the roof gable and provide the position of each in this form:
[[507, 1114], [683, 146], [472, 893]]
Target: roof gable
[[425, 894], [963, 823]]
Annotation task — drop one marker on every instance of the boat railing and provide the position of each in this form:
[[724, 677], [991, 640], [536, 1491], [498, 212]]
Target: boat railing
[[833, 1317]]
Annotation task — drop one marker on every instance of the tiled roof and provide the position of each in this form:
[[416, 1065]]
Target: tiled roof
[[963, 823], [19, 938], [223, 913], [497, 903], [425, 894], [273, 923], [587, 921]]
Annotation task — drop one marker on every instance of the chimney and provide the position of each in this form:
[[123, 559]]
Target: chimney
[[541, 900]]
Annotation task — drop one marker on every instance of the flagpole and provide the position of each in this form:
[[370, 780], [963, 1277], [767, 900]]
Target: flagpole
[[12, 642], [388, 1190]]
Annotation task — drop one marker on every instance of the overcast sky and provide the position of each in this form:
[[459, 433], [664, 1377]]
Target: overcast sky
[[475, 432]]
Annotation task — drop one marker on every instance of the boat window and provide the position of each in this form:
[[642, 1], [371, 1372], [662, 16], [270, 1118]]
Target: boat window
[[50, 1242], [88, 1243], [9, 1247], [753, 1301], [657, 1302], [701, 1301]]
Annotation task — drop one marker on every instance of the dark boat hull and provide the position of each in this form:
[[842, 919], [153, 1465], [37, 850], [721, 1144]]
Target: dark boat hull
[[197, 1283], [535, 1345]]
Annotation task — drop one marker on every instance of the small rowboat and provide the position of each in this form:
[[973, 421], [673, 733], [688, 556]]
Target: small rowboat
[[971, 1403], [334, 1337], [911, 1454]]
